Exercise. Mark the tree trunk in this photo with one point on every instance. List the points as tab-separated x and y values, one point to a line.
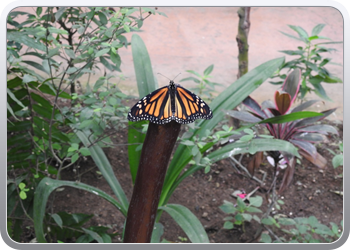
242	40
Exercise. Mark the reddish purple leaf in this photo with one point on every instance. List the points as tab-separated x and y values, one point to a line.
292	84
283	102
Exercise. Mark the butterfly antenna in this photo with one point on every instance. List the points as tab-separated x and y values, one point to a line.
164	76
177	76
167	77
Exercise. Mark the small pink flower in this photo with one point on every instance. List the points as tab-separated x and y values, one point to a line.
242	196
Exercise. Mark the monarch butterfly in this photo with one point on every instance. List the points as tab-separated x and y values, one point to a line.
169	103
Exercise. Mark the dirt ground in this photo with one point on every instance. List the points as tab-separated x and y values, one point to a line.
311	193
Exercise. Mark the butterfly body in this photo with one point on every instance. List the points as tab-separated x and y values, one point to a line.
170	103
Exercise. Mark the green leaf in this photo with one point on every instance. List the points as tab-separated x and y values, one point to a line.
103	18
208	70
247	217
268	221
228	207
135	138
313	222
102	52
75	157
70	53
188	222
317	29
94	235
337	161
146	81
157	232
253	210
105	167
301	32
228	225
59	13
265	238
13	97
252	147
246	138
255	201
28	78
85	151
286	221
37	66
241	205
291	117
26	40
13	83
126	28
57	220
43	191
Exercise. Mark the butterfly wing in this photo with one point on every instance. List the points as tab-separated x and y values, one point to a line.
189	107
169	103
155	107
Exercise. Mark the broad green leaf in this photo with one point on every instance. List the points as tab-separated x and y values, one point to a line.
37	66
253	210
240	203
247	217
57	219
188	222
59	13
28	78
15	82
228	207
135	138
26	40
291	36
102	52
13	97
208	70
255	201
268	221
253	146
157	233
337	161
105	167
146	81
313	222
301	32
94	235
43	191
291	117
286	221
317	29
70	53
265	238
103	18
228	225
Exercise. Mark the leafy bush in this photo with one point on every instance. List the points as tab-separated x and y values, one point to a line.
47	54
310	61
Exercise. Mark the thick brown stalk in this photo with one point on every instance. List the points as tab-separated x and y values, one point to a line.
155	155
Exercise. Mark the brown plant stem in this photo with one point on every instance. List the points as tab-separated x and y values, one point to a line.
242	40
155	155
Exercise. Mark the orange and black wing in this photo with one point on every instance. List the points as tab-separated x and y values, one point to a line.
169	103
155	107
189	107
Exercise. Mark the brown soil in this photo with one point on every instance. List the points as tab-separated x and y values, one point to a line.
309	194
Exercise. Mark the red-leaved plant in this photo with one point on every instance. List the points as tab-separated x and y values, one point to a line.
303	133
